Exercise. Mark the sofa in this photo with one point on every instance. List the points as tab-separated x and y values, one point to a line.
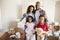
6	35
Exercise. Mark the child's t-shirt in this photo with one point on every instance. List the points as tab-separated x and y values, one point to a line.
43	26
30	27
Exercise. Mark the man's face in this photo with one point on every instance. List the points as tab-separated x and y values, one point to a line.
38	5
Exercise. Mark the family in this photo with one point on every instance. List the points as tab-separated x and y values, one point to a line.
36	23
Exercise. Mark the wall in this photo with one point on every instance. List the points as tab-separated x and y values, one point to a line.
50	9
57	11
9	13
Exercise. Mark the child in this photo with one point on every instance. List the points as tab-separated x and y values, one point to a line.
56	31
29	27
39	11
44	26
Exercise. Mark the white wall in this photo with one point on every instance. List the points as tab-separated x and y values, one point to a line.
8	13
50	9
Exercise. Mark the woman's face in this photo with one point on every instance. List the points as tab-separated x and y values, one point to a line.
41	19
31	9
30	19
38	5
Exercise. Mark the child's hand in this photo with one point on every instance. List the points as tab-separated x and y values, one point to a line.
33	31
44	33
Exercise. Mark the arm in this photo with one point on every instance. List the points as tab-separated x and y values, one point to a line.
23	17
25	27
34	31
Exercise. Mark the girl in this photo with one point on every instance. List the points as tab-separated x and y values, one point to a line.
30	12
29	28
42	25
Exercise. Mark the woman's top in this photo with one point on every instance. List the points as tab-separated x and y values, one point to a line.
28	14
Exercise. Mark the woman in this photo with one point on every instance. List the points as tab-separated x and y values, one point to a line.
39	11
30	12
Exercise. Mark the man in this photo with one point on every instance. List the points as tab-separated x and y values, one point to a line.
39	11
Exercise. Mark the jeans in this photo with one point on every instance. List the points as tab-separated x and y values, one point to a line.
45	38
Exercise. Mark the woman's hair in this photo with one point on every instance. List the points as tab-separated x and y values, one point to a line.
28	9
37	3
27	19
44	18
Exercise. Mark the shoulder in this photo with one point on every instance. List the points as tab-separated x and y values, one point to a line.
41	9
26	23
33	13
37	24
24	14
46	24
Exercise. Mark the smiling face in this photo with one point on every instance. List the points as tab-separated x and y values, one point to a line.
41	19
31	9
30	19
